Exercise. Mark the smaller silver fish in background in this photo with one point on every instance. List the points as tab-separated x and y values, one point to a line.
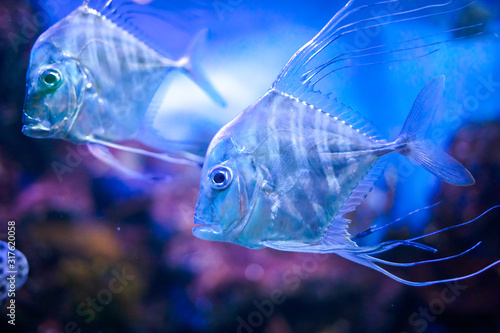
286	171
21	269
94	78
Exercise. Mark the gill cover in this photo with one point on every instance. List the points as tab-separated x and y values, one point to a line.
229	191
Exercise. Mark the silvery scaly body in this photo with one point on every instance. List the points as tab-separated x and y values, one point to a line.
93	78
284	173
12	264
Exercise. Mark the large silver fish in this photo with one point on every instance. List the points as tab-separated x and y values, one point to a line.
93	77
285	172
14	270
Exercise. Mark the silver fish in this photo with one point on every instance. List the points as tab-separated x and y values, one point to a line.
285	172
93	78
12	263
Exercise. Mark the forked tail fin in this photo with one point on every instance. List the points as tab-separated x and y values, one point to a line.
195	73
413	143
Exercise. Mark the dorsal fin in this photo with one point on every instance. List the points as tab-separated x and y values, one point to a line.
357	17
177	22
336	109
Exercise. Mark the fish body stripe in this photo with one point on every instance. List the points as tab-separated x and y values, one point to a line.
310	184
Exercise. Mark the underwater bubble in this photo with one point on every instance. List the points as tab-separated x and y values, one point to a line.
254	272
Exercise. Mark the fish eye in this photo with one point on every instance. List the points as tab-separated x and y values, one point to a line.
51	78
221	177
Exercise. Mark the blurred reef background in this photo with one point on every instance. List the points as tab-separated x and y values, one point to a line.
82	230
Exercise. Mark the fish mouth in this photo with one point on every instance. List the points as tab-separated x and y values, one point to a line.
202	226
35	127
